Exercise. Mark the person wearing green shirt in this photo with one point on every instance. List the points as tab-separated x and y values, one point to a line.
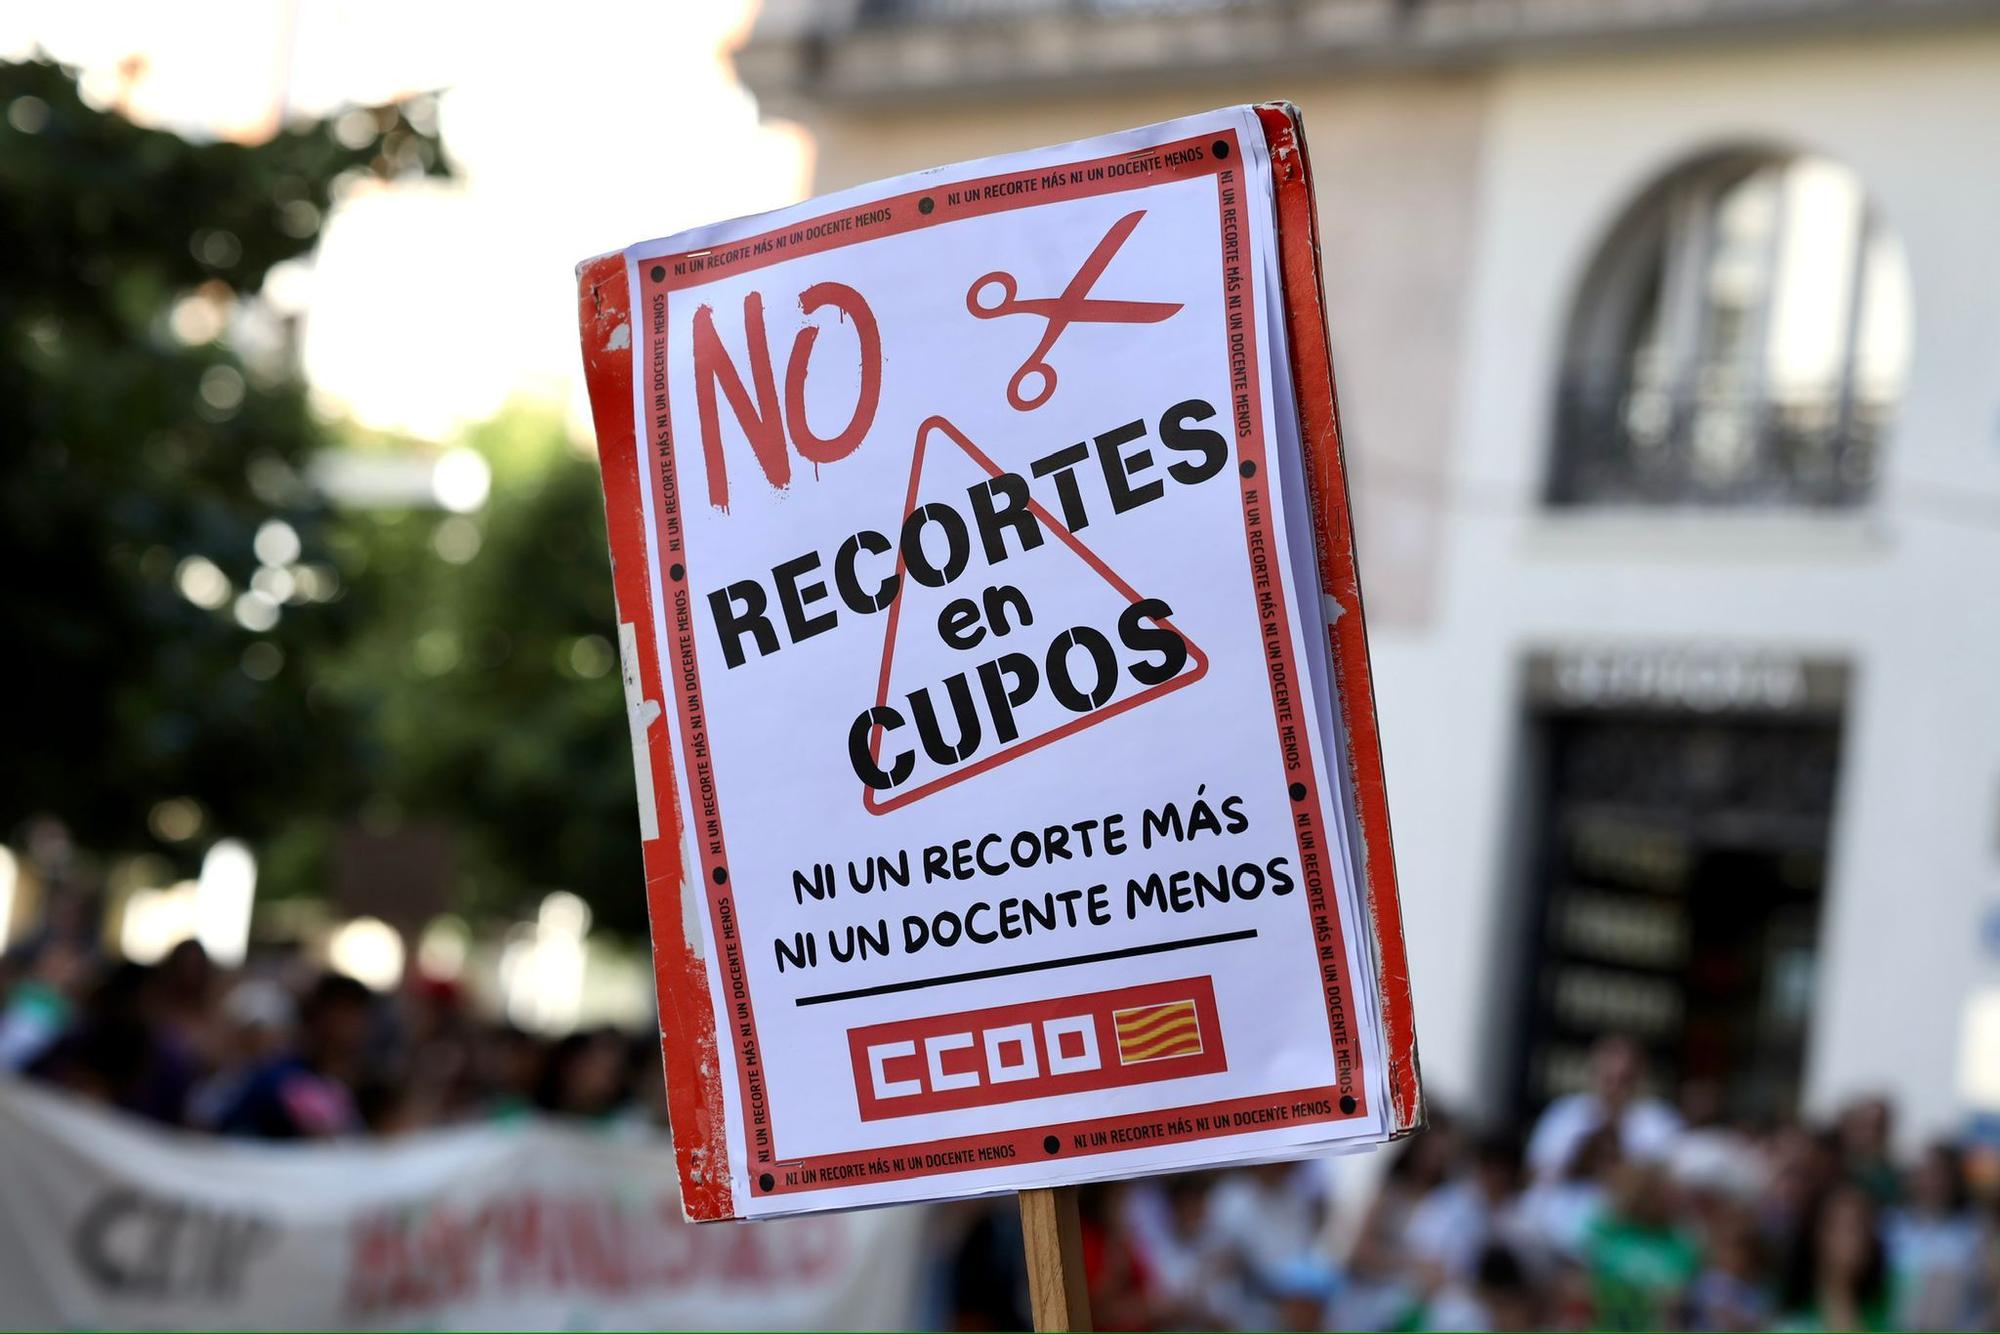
1639	1262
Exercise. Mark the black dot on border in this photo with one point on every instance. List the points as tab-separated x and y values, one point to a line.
1347	1104
659	273
1298	792
1051	1144
676	572
1249	468
926	204
1221	147
766	1181
721	875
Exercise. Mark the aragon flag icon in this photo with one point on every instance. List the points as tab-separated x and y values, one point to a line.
1045	639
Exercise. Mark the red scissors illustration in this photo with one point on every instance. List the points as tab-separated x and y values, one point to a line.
1074	306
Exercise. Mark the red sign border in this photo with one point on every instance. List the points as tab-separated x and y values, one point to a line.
689	1039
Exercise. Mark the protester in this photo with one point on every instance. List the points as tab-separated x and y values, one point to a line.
1495	1295
1114	1273
1640	1257
41	1003
1934	1243
253	1026
1839	1277
118	1052
984	1281
584	1076
309	1092
1719	1226
1732	1290
1451	1227
1646	1126
1168	1221
1556	1214
1266	1228
1625	1214
1865	1129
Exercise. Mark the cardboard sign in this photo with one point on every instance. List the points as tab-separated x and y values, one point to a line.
1007	764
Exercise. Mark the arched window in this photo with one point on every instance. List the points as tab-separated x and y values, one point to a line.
1740	340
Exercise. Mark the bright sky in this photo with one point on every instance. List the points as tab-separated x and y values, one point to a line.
577	128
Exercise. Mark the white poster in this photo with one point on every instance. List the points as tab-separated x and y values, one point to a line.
1006	812
108	1223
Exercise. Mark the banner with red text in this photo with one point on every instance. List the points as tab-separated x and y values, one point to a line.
109	1223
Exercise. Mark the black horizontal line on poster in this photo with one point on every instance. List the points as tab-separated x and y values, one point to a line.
977	975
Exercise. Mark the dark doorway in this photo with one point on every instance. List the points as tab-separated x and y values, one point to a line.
1676	888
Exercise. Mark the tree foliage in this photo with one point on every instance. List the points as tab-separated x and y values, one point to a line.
489	677
140	453
422	668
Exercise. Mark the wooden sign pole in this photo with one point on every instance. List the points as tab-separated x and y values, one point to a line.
1053	1238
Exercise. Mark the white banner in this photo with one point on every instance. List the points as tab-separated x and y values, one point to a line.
106	1222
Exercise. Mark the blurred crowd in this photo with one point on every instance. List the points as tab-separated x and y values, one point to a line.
283	1050
1617	1210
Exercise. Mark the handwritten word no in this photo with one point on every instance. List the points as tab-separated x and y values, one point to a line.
756	406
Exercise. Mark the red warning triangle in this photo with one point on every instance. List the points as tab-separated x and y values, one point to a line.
880	803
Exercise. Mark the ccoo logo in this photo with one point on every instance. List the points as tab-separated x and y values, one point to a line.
1039	1049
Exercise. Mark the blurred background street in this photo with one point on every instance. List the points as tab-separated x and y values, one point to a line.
1668	335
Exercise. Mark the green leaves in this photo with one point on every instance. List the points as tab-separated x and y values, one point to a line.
488	667
129	448
178	678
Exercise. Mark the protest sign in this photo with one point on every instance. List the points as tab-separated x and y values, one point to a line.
108	1222
1009	789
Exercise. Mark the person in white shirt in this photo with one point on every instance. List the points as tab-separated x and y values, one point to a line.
1647	1127
1265	1226
1934	1242
1452	1224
